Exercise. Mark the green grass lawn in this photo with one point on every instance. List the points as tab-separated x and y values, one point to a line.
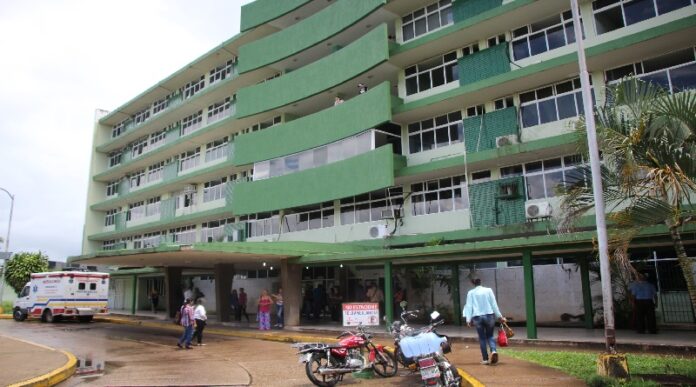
583	365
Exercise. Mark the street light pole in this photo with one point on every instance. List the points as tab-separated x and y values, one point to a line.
604	269
7	245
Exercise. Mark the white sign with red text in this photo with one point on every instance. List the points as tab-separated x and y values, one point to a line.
356	313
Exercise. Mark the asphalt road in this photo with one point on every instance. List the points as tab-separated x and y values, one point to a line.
118	355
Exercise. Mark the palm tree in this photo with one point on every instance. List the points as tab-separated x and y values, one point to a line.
648	141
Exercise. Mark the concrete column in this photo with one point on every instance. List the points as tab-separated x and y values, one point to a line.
456	301
586	293
172	281
291	280
388	293
529	301
134	304
224	275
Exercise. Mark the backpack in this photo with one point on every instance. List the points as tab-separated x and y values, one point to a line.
177	317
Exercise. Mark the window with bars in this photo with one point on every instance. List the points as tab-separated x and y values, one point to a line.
191	123
611	15
139	146
217	149
115	158
189	159
160	105
214	189
221	72
433	73
309	218
435	132
551	103
426	19
192	88
118	129
369	207
137	179
110	218
441	195
112	188
219	110
141	116
542	36
674	72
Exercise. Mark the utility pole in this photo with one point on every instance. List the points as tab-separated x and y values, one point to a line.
7	247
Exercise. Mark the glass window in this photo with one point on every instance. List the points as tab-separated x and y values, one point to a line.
432	73
552	103
612	15
543	178
675	71
443	195
542	36
372	206
426	19
435	132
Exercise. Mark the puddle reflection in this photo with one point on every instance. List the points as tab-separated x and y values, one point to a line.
90	367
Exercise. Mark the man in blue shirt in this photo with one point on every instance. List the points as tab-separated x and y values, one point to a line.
481	310
643	297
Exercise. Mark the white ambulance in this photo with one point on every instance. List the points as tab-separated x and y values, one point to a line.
54	295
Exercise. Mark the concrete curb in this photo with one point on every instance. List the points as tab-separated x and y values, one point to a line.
5	317
467	380
54	377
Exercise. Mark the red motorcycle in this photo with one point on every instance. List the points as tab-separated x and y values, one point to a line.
326	364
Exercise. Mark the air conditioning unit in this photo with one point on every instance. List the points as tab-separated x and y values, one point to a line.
505	140
379	231
537	210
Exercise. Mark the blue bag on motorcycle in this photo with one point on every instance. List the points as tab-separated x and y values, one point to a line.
421	344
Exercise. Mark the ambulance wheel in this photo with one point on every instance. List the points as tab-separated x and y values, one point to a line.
47	316
18	315
84	319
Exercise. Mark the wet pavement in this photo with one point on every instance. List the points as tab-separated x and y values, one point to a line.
19	356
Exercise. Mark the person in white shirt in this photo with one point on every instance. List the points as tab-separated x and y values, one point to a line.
481	310
201	319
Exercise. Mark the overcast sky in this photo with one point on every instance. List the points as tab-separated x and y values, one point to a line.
62	59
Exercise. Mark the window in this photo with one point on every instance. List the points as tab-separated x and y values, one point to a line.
219	110
157	139
546	35
141	116
137	179
262	125
480	176
214	230
473	111
155	172
496	40
511	171
185	198
426	19
115	158
442	195
185	235
221	72
25	292
611	15
242	176
543	177
503	103
118	129
152	207
551	103
435	132
136	211
139	146
110	218
93	286
433	73
370	206
190	159
151	239
160	105
111	188
81	286
675	72
272	77
191	123
216	150
214	189
109	245
193	87
267	223
470	49
309	218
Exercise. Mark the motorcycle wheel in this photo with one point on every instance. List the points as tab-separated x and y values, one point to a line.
451	378
312	367
385	364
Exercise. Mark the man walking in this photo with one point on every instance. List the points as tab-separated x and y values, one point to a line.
643	297
188	322
481	310
243	305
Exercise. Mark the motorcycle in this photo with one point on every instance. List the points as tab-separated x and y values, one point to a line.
424	351
327	364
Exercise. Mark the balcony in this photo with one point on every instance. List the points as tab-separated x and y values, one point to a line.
262	11
482	132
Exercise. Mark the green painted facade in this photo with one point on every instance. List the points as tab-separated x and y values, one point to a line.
326	126
262	11
339	15
363	54
466	9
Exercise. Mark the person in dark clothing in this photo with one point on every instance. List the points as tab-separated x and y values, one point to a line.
243	305
234	305
643	298
318	297
307	301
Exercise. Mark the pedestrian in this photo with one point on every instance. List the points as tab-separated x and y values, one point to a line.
335	301
234	305
481	310
362	88
643	296
243	305
318	297
308	301
264	311
201	320
280	308
187	321
338	100
376	295
154	300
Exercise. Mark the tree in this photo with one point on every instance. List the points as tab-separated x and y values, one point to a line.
18	270
648	141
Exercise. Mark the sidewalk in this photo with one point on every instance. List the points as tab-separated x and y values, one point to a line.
28	364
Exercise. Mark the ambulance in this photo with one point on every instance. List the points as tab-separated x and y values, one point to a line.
59	294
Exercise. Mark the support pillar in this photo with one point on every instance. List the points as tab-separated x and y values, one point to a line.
224	275
172	281
134	299
530	303
586	293
456	301
388	293
291	281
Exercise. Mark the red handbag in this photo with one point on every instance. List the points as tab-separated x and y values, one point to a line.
502	338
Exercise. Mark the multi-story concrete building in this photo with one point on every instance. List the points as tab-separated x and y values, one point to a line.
343	142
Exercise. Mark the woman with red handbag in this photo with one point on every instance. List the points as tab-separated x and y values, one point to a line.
482	311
